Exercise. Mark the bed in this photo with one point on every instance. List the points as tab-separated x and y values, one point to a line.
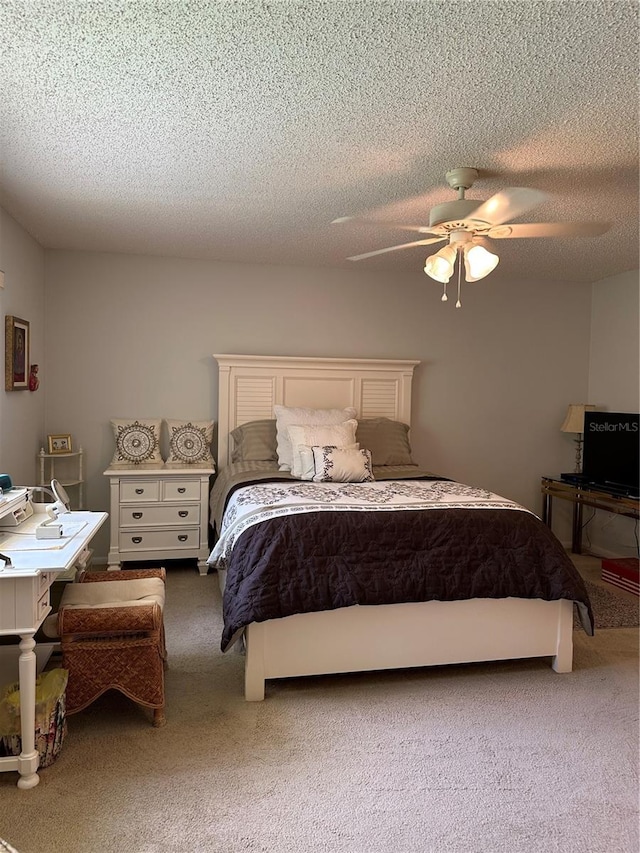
403	568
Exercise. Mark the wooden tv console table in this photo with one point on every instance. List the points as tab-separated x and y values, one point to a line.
582	495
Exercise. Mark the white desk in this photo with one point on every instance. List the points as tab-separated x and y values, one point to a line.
24	599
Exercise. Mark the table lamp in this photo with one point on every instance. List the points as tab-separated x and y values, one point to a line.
574	422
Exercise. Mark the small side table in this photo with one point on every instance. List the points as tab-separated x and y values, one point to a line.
67	476
581	495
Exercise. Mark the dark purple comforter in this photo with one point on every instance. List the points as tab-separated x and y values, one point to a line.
323	561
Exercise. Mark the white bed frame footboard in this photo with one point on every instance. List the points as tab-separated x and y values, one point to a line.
391	636
395	636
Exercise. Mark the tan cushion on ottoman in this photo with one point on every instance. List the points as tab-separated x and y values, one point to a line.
129	593
114	594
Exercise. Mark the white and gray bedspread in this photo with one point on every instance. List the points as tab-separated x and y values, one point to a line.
242	473
259	502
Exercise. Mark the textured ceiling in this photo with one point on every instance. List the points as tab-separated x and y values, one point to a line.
238	131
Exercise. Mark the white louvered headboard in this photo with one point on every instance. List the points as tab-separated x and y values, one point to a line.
250	386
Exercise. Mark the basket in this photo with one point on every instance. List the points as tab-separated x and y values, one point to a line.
51	721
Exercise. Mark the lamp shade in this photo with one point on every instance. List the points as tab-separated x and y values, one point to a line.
574	421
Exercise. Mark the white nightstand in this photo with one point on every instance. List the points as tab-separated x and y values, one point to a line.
159	514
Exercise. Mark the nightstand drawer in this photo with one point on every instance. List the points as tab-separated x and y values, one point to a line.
139	490
159	515
180	490
159	540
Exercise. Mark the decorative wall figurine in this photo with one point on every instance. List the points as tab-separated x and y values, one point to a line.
34	382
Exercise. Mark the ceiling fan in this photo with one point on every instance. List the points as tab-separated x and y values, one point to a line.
468	225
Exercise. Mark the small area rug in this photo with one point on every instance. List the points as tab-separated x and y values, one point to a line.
612	610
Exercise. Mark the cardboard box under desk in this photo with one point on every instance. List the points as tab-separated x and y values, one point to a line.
623	572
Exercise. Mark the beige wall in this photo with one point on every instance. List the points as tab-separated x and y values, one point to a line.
614	385
21	412
132	336
614	357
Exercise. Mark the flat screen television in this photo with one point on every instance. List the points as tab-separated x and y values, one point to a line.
611	451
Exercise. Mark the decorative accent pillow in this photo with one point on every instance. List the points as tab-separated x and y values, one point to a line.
287	415
190	443
387	440
255	441
304	465
336	435
341	465
137	443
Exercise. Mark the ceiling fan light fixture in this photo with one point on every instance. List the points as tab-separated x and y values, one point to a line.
466	223
478	262
440	266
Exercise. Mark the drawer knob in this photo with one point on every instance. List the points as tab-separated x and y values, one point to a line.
136	540
183	513
137	514
181	490
139	491
182	538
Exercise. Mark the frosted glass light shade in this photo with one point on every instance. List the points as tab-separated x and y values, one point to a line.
440	266
479	262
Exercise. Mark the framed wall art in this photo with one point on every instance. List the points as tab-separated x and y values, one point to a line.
59	443
16	360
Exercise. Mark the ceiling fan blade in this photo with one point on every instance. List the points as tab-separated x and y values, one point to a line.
507	204
395	248
421	229
550	229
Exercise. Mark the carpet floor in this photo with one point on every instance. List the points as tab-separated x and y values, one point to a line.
503	757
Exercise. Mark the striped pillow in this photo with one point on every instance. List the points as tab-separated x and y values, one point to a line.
387	440
255	441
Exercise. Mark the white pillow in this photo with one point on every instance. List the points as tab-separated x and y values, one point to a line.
336	435
341	465
303	462
286	415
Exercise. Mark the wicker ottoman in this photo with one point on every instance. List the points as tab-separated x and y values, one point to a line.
111	633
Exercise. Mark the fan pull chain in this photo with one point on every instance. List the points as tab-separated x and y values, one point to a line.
458	303
444	296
